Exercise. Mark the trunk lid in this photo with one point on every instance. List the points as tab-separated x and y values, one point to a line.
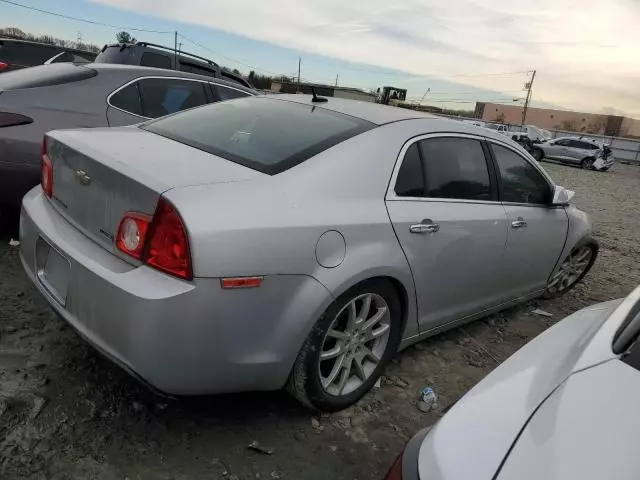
100	174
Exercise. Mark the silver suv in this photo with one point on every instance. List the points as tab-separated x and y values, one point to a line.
587	153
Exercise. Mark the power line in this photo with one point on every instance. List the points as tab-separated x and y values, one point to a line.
16	4
253	67
404	74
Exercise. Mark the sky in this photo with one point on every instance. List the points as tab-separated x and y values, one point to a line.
585	52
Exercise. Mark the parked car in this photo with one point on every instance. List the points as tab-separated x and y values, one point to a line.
36	100
563	406
587	153
16	54
290	240
147	54
498	127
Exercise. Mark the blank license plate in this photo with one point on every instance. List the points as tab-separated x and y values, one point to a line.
54	274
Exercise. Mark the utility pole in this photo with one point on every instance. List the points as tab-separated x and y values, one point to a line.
425	94
528	86
299	62
337	76
175	51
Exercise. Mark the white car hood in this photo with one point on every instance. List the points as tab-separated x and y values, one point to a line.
472	439
587	429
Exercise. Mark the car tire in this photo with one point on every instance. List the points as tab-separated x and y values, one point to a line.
538	154
310	379
587	163
593	247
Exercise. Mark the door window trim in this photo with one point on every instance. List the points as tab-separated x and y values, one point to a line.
391	191
531	162
162	77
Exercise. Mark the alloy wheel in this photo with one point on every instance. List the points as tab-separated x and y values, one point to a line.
587	164
354	344
571	269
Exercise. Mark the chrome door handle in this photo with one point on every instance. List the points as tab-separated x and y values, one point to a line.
424	228
519	223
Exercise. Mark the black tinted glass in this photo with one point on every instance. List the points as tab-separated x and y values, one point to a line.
162	96
265	134
563	143
226	93
200	70
45	76
155	60
128	99
410	181
521	181
456	168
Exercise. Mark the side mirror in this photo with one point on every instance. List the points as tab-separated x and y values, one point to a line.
562	196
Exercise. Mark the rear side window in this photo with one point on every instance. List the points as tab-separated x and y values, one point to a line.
193	68
521	181
162	96
261	133
45	76
226	93
128	99
456	168
410	181
155	60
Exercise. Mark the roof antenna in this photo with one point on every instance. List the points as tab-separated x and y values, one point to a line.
317	99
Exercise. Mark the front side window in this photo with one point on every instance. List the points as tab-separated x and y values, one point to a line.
455	168
410	181
162	96
128	99
521	181
264	134
563	142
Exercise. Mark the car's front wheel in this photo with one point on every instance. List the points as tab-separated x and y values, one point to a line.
587	163
572	269
537	154
348	348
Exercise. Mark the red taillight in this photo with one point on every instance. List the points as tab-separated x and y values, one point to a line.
3	66
161	242
395	472
8	119
46	179
168	246
132	234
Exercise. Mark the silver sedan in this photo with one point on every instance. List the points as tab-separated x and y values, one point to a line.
290	241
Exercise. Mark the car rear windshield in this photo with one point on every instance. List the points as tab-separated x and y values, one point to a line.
45	76
261	133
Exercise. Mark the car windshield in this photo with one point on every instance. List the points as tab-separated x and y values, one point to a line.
261	133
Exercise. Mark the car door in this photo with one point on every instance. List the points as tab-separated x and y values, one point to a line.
537	231
556	149
153	97
443	204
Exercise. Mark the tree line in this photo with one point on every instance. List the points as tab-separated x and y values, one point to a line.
18	34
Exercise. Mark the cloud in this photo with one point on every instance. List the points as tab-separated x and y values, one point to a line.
584	51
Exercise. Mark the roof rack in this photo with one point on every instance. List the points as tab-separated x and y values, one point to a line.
179	52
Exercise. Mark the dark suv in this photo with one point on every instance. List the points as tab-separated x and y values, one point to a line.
152	55
15	54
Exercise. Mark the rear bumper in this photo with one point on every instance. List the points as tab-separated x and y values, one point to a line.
182	338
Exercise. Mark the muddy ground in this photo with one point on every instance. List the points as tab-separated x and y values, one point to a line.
65	412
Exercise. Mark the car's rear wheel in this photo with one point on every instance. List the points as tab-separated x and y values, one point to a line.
587	163
572	269
348	347
537	154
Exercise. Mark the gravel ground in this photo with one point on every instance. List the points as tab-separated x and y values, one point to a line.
65	412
